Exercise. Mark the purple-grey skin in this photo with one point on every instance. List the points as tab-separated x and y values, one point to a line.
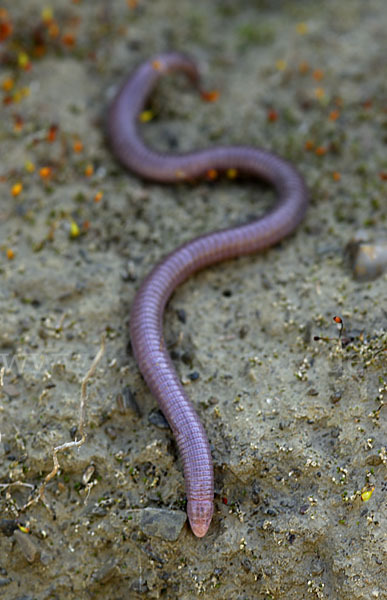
148	307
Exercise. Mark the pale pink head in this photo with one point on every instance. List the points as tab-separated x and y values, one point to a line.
200	515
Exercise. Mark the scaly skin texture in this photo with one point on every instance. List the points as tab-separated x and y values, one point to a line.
148	306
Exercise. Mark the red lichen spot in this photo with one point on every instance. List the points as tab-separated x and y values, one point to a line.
321	150
318	75
336	176
383	175
45	172
309	145
272	116
334	115
210	96
16	189
68	39
77	146
6	26
224	500
212	174
39	50
89	170
7	100
367	104
10	253
51	134
18	123
98	197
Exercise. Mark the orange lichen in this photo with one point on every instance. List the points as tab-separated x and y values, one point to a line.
89	170
17	188
336	176
321	150
210	96
68	39
334	115
303	67
10	253
98	197
318	75
309	145
8	84
78	146
45	172
212	174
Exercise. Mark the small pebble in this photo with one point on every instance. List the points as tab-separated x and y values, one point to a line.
368	259
127	404
157	419
160	522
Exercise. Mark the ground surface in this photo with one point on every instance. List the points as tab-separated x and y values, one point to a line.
296	425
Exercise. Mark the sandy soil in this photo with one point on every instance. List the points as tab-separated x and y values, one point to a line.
296	425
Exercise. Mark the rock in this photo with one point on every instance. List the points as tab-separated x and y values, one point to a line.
159	522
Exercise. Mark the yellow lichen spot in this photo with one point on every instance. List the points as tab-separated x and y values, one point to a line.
366	495
29	166
16	189
146	115
281	65
74	230
319	93
7	84
157	65
23	60
10	253
302	28
47	14
231	173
